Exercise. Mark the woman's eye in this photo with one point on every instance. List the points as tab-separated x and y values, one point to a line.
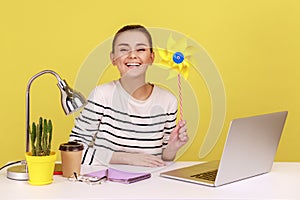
141	49
123	50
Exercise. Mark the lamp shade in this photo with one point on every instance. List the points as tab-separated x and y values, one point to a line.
71	100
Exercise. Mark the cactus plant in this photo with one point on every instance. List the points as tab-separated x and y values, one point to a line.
41	137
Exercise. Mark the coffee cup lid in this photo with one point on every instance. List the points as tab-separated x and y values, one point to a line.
71	146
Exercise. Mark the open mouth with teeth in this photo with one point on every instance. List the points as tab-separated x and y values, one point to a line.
132	65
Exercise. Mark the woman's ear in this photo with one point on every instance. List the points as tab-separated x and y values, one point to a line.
152	57
112	58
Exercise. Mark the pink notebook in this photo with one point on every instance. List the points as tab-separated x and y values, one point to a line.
119	176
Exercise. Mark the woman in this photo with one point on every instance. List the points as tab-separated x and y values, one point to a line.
129	121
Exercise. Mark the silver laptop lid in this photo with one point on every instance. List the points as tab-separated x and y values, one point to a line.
250	147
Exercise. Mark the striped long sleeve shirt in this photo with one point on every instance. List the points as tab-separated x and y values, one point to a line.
114	121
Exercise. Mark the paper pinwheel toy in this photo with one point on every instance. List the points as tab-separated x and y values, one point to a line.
176	57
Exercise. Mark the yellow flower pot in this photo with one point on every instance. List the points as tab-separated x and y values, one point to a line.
40	168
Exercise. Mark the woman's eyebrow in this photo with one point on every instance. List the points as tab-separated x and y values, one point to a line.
142	44
123	44
138	45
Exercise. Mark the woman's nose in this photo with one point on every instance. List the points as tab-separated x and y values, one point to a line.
132	54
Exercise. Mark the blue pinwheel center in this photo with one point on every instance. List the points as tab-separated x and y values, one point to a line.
178	57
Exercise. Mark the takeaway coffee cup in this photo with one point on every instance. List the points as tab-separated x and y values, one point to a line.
71	153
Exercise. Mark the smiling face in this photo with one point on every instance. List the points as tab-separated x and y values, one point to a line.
132	52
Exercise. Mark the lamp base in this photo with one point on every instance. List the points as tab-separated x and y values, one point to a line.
18	173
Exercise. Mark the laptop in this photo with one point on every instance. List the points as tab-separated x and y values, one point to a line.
249	151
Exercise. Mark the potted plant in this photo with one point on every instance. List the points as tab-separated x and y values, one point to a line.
41	160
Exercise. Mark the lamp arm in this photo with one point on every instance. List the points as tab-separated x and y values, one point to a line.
39	74
28	101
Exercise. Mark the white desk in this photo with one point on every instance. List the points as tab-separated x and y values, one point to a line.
283	182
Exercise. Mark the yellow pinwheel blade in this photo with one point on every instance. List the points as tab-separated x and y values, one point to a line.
172	74
180	45
185	71
164	54
189	51
170	43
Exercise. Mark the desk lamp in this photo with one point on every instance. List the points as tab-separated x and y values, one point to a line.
71	101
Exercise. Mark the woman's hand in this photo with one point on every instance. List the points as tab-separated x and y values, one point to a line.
179	136
177	139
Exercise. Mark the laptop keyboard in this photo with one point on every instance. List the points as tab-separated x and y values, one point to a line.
210	175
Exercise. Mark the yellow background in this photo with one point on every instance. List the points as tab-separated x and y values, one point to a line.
255	45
